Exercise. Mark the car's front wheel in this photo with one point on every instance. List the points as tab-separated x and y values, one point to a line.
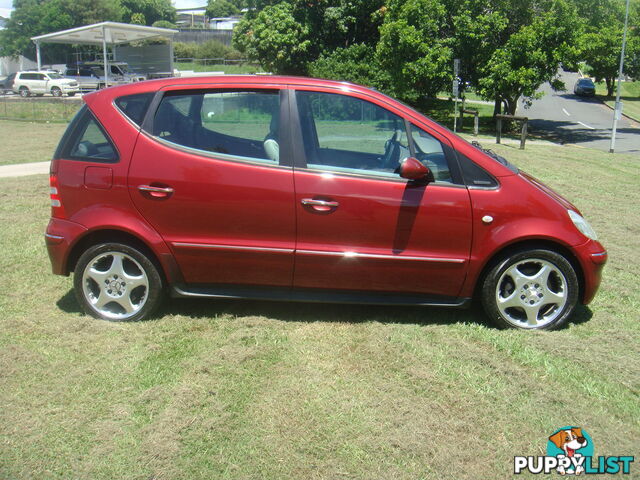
56	92
532	289
116	282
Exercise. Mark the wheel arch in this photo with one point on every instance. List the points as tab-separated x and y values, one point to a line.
95	237
530	244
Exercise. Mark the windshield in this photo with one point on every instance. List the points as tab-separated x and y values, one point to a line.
122	69
585	82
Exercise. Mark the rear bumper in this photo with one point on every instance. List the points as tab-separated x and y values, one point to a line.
59	238
592	257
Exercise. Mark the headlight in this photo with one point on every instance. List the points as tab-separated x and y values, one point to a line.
582	225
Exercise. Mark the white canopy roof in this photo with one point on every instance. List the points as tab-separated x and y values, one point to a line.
104	32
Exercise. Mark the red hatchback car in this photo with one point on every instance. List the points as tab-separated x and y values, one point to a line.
302	189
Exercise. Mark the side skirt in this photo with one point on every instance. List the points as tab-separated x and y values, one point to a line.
318	296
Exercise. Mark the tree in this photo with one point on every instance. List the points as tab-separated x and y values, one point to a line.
530	56
356	63
36	17
221	8
152	10
138	19
304	30
415	47
602	52
276	39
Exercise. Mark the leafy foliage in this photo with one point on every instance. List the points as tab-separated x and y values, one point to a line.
221	8
356	63
276	39
36	17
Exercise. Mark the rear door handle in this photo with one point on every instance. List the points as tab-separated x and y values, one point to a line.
157	192
320	205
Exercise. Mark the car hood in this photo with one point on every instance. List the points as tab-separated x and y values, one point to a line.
549	191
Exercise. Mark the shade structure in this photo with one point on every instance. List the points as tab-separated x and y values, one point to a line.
103	33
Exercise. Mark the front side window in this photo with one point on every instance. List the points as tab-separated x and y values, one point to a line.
347	134
430	152
244	124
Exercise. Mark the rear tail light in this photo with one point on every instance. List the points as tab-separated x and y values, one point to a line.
57	210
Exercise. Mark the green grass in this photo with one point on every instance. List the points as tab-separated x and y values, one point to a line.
24	142
629	95
248	389
49	110
227	69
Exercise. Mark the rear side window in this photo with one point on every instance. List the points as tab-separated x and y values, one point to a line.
85	139
135	106
242	124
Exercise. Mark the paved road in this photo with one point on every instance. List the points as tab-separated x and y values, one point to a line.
567	118
23	169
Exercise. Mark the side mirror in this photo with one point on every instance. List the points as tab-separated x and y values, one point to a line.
413	169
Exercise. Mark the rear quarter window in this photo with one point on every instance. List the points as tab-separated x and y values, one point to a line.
86	140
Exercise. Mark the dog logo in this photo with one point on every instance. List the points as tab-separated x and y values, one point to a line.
570	442
570	452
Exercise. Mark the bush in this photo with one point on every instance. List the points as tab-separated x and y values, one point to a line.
356	64
163	24
212	49
185	49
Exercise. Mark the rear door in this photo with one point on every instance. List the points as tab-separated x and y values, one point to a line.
360	226
201	175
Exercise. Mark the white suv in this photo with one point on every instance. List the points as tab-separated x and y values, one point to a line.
39	83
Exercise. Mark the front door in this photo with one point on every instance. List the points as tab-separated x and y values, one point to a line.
360	226
207	178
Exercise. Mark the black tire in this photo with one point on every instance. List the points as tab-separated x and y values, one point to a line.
56	92
516	293
24	92
72	94
119	286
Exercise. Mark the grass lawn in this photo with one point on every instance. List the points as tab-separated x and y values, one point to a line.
228	69
24	142
49	110
248	389
629	95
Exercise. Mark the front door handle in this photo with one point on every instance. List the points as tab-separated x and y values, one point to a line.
320	205
156	192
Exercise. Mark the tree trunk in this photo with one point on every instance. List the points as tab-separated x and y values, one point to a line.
497	106
611	83
511	105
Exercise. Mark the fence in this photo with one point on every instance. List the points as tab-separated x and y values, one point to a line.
523	132
215	61
53	110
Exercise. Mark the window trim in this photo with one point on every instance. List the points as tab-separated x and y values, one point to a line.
286	157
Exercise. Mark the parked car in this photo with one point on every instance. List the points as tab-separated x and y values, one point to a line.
6	85
41	82
584	87
186	186
120	72
87	79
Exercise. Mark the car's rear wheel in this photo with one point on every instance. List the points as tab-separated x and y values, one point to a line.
56	92
116	282
24	92
533	290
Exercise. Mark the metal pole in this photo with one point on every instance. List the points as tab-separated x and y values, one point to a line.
171	54
617	111
455	114
105	62
38	55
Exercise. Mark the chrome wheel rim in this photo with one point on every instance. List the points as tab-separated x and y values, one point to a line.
531	293
115	285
